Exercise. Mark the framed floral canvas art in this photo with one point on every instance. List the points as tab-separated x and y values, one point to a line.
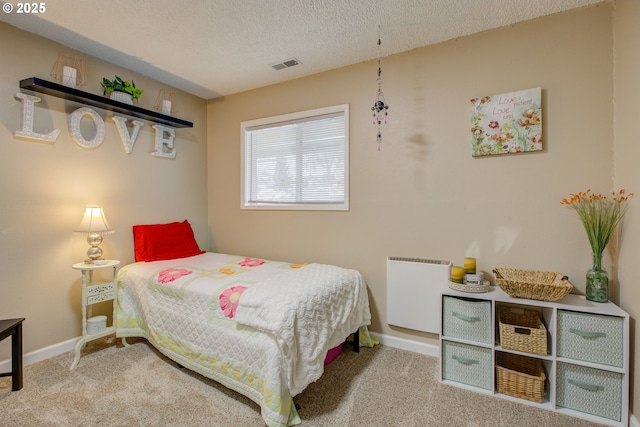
507	123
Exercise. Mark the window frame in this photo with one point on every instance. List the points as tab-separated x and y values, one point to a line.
275	120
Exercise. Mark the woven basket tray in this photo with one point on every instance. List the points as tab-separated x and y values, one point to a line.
522	330
520	376
531	284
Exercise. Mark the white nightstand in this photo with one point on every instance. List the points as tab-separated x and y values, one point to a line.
92	293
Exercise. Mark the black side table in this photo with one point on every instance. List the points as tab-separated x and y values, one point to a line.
13	327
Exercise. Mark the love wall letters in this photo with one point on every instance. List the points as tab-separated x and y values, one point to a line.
164	135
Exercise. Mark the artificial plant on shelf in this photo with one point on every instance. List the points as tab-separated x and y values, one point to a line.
119	85
600	216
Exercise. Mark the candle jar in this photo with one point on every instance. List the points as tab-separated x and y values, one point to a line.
457	274
470	265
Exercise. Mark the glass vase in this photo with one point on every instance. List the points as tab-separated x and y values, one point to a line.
597	281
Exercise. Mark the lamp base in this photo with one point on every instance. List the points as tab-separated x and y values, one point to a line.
100	261
94	253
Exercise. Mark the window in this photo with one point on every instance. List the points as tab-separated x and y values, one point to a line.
297	161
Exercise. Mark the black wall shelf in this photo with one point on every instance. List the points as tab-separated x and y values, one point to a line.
71	94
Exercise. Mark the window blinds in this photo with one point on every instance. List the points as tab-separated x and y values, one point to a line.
299	161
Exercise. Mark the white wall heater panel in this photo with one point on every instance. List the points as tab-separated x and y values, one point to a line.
414	289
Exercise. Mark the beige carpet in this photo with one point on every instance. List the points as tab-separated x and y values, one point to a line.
137	386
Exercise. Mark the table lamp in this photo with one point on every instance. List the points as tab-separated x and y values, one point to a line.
94	225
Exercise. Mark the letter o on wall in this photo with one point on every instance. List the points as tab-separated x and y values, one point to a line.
76	134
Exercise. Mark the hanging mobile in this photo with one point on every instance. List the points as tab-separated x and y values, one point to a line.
380	107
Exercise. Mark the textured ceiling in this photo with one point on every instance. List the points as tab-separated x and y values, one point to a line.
213	48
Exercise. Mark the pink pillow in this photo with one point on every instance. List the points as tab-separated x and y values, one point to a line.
157	242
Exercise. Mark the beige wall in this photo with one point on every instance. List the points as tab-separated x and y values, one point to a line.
423	195
45	187
626	155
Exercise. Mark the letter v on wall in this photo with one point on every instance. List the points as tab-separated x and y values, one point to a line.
128	139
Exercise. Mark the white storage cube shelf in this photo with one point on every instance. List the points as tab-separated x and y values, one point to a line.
587	365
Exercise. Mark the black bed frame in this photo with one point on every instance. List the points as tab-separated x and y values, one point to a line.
356	341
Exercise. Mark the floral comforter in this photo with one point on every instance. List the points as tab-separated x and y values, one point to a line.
259	327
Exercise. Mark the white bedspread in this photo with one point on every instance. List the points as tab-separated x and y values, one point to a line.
308	311
268	342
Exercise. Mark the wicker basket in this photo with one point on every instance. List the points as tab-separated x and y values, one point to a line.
520	376
531	284
521	329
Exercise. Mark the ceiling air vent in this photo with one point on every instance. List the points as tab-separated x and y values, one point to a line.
286	64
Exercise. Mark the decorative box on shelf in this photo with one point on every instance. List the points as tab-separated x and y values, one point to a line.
467	319
521	329
520	376
96	324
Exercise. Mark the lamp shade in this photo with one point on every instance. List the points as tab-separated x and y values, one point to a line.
94	221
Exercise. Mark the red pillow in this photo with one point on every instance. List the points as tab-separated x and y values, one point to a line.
157	242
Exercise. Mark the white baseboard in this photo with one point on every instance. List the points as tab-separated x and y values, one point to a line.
42	354
63	347
401	343
409	345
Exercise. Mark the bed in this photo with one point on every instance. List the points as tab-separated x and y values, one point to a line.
260	327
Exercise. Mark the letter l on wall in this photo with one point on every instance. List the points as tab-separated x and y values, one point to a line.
27	132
